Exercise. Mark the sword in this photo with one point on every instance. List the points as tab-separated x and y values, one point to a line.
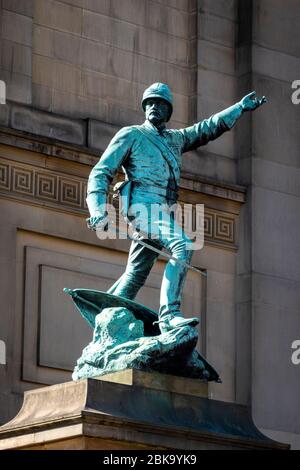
152	248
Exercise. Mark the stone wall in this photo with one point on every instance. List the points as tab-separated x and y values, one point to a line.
94	58
275	219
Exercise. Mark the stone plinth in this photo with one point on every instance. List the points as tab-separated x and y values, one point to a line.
157	381
131	410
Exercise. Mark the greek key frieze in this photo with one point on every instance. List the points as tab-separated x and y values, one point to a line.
4	176
19	180
42	186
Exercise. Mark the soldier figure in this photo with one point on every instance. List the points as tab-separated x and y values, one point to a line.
150	155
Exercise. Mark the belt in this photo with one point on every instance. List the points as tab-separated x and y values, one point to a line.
168	192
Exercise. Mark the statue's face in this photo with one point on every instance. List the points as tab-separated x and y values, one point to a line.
157	111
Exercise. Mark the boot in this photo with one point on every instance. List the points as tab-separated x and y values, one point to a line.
175	320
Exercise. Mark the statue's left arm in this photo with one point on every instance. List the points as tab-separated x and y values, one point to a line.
209	129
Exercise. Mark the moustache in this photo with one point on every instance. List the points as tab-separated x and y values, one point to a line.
154	111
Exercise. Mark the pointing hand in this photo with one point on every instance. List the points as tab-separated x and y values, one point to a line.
250	102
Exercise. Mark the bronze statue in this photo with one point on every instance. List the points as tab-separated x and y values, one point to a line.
150	155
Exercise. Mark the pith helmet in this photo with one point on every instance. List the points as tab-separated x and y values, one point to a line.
158	90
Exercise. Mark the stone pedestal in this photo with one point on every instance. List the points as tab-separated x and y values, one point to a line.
131	410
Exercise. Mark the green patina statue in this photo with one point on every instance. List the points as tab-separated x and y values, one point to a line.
127	334
150	155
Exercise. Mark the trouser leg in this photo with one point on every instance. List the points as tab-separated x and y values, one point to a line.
139	264
164	230
177	243
165	233
174	277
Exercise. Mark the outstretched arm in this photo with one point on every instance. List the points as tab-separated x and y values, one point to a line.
209	129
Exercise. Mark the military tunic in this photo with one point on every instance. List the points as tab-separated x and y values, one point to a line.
143	162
